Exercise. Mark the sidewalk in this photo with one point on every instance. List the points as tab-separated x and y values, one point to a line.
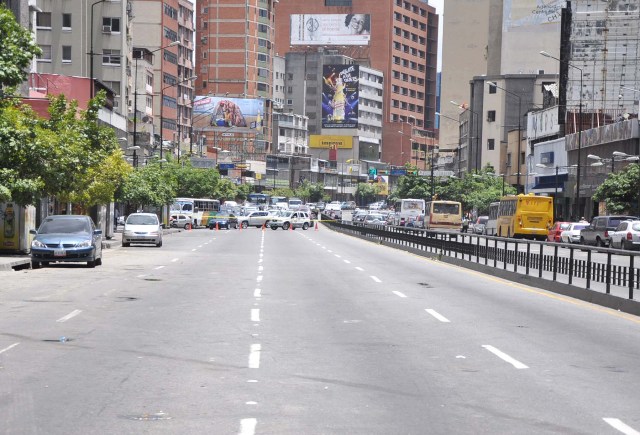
17	261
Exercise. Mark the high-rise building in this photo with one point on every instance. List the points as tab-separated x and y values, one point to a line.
396	37
234	52
163	34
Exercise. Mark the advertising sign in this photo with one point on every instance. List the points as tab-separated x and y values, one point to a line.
330	29
330	142
240	115
340	96
15	222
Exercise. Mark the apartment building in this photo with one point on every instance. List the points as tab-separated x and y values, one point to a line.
399	38
88	40
163	37
234	53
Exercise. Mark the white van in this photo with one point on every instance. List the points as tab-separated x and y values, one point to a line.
294	203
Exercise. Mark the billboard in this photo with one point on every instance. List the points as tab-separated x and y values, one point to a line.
340	96
522	14
330	142
241	115
330	29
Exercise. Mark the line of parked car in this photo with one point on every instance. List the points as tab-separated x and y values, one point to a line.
620	232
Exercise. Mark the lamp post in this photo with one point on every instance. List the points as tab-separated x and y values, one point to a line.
578	210
518	190
91	53
433	187
476	128
162	107
135	93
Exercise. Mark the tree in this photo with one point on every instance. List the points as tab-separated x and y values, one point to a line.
367	192
151	185
197	182
226	190
621	191
16	51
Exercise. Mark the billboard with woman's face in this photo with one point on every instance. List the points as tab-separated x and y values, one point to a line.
330	29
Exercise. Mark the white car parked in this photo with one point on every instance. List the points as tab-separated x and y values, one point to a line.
142	228
291	219
626	236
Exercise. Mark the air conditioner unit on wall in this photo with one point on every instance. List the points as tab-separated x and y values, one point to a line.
106	29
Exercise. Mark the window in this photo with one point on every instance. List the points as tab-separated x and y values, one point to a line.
169	79
110	25
170	11
262	87
66	54
263	13
169	57
66	21
262	72
491	115
43	20
169	102
46	53
263	57
170	34
491	143
204	84
149	101
110	57
337	2
263	28
547	158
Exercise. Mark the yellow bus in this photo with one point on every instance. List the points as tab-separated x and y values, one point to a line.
443	215
525	216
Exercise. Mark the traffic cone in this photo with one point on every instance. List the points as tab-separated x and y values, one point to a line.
264	226
316	225
189	229
217	226
291	226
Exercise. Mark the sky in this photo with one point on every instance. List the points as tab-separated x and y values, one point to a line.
439	5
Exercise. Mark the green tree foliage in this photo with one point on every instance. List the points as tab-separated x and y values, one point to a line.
620	191
367	192
243	191
309	192
197	182
226	190
70	155
412	186
475	191
153	184
17	50
283	191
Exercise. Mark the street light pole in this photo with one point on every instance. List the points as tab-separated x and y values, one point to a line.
518	190
91	53
544	53
433	188
162	107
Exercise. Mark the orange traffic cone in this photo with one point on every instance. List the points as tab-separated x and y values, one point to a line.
316	225
189	227
217	226
291	226
264	226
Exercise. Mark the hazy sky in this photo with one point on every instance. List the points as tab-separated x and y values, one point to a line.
439	5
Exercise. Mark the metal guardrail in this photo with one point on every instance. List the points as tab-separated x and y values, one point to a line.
517	255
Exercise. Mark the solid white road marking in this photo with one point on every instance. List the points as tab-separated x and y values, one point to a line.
257	292
616	423
8	348
402	295
248	426
517	364
159	267
375	278
255	314
72	314
174	260
360	269
254	356
437	315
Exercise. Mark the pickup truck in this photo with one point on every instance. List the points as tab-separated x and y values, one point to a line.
597	233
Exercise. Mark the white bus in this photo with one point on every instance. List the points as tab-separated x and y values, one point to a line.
195	207
491	226
410	211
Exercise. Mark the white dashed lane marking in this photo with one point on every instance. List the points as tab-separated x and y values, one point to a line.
69	316
254	356
619	425
375	278
514	362
399	294
9	347
437	315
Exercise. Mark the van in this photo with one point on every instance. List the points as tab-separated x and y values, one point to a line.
294	203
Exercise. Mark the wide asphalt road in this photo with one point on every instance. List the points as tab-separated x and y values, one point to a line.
304	332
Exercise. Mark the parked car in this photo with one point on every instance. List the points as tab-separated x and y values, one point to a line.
597	233
223	222
290	219
626	236
144	228
479	224
572	234
556	230
180	221
66	238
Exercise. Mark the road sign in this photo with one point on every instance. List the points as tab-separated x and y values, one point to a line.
227	165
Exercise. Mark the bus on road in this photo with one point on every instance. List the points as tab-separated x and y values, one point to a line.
409	211
443	215
525	216
492	223
195	207
260	199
